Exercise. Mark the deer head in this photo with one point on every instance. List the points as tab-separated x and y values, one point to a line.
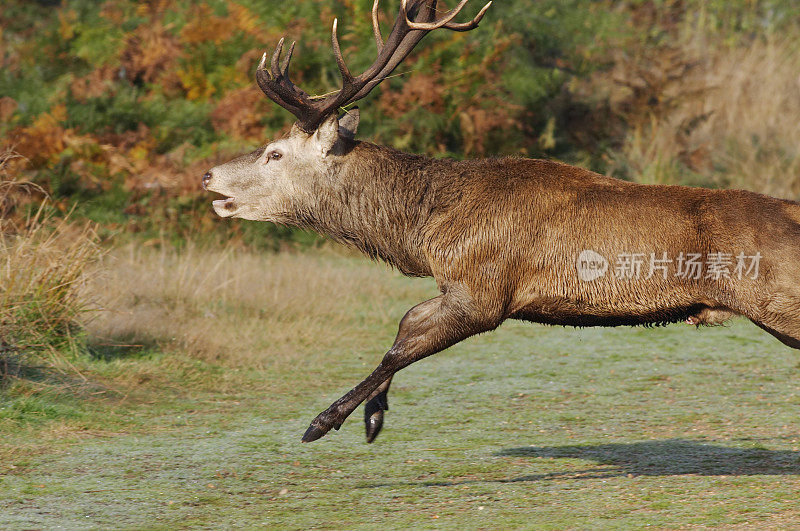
271	182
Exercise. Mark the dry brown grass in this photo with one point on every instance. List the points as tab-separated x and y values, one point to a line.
244	308
732	119
43	264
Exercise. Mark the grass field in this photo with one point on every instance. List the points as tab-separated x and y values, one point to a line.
530	426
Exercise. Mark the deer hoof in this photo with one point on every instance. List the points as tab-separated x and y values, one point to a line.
373	424
373	416
315	431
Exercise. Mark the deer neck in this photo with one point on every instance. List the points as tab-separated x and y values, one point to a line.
379	201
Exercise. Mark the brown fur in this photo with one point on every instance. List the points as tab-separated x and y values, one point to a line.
510	231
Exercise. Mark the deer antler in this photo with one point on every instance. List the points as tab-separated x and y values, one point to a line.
404	36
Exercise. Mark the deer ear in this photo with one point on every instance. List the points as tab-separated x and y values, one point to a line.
348	123
327	134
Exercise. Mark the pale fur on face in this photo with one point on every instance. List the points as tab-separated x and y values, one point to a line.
267	184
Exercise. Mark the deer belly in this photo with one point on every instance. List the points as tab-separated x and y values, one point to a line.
566	312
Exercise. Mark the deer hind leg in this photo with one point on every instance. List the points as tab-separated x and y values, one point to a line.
426	329
781	318
786	331
377	403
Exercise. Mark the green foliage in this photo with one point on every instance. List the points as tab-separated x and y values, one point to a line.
116	112
175	122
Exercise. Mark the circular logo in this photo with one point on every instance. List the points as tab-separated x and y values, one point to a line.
591	265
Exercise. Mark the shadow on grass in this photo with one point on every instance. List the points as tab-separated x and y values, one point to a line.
116	350
15	366
670	458
649	458
58	372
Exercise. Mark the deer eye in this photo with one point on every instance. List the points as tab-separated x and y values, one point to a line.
274	155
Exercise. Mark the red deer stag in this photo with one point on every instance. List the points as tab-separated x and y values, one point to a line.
507	238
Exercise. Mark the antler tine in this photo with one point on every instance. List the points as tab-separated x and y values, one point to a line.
276	85
287	60
347	77
441	23
274	70
376	28
472	24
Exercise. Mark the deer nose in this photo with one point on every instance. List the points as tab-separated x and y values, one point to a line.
206	180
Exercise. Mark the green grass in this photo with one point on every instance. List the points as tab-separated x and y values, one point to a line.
529	426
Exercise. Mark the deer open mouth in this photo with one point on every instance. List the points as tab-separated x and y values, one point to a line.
225	207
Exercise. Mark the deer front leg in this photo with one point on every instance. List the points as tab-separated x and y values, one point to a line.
377	403
426	329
